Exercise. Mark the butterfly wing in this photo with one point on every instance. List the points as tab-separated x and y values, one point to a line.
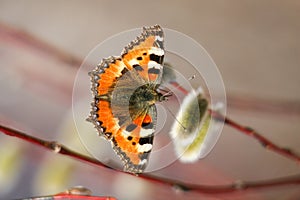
133	143
114	81
146	54
103	81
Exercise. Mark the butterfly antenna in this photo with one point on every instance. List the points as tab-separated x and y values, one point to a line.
176	119
178	86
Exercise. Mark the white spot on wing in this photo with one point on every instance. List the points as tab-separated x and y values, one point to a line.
156	51
122	66
125	133
143	162
159	38
133	62
144	147
153	64
146	132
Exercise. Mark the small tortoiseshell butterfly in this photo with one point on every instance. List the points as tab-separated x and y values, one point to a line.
125	90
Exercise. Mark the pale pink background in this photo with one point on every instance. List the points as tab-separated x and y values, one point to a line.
255	44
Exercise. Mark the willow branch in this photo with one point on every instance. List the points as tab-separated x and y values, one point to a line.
236	186
257	136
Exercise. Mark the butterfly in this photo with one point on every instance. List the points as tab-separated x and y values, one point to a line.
125	89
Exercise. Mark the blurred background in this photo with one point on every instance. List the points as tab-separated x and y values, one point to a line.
255	45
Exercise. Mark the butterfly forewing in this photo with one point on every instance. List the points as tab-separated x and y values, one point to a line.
146	54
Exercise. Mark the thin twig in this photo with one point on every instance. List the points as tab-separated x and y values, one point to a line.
50	145
254	134
247	103
237	186
69	197
74	193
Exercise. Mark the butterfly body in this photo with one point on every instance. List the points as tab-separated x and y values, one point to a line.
144	96
125	90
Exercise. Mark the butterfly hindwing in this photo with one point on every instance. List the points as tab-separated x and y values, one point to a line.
134	142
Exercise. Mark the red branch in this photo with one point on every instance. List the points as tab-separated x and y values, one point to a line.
70	197
261	139
236	186
74	193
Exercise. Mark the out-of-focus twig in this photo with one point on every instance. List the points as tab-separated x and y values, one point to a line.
248	103
236	186
74	193
266	143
